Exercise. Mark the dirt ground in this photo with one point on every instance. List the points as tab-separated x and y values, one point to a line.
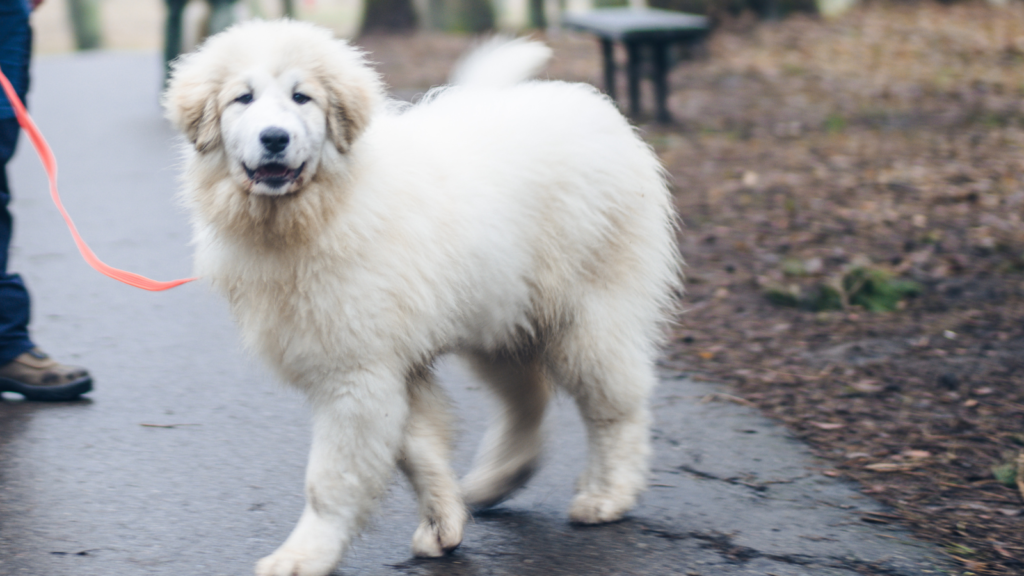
810	159
889	141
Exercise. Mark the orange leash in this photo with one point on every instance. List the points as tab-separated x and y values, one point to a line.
50	165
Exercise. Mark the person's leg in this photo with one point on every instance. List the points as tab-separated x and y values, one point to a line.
14	299
23	368
15	51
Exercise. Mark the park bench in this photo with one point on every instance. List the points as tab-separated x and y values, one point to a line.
649	36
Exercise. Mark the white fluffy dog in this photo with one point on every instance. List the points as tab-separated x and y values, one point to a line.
522	225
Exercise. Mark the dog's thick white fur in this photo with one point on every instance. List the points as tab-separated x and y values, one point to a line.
522	225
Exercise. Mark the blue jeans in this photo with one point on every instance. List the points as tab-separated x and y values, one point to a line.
15	51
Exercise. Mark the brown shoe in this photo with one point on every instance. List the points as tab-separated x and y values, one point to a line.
36	376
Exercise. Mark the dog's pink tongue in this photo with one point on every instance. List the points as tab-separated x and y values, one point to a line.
272	171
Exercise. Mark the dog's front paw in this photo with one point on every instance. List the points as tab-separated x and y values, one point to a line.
292	562
600	508
436	537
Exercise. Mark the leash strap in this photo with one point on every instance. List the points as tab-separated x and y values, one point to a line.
50	165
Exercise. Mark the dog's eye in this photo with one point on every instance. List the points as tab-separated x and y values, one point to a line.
300	98
244	98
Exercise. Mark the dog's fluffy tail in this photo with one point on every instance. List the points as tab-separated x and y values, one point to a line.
501	62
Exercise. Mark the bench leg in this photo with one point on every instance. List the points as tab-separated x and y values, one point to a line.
633	50
660	56
608	51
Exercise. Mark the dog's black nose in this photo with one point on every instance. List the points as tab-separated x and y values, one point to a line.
274	139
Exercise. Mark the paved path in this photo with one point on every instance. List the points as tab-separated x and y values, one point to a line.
88	488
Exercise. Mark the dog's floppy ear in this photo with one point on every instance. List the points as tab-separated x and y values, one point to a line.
348	114
354	92
191	102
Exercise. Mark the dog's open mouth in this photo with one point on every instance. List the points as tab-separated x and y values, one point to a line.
273	174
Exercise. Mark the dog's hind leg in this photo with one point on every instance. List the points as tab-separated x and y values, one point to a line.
425	460
511	447
358	425
607	366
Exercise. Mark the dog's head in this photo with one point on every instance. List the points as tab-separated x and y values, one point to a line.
268	98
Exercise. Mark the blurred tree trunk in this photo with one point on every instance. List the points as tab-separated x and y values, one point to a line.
222	16
538	19
85	22
461	15
389	16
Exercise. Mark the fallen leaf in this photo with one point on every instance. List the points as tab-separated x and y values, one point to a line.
867	386
879	517
972	565
874	520
1020	473
726	397
828	425
1006	474
888	467
1000	550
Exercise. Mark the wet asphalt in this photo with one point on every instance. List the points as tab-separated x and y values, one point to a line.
187	459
